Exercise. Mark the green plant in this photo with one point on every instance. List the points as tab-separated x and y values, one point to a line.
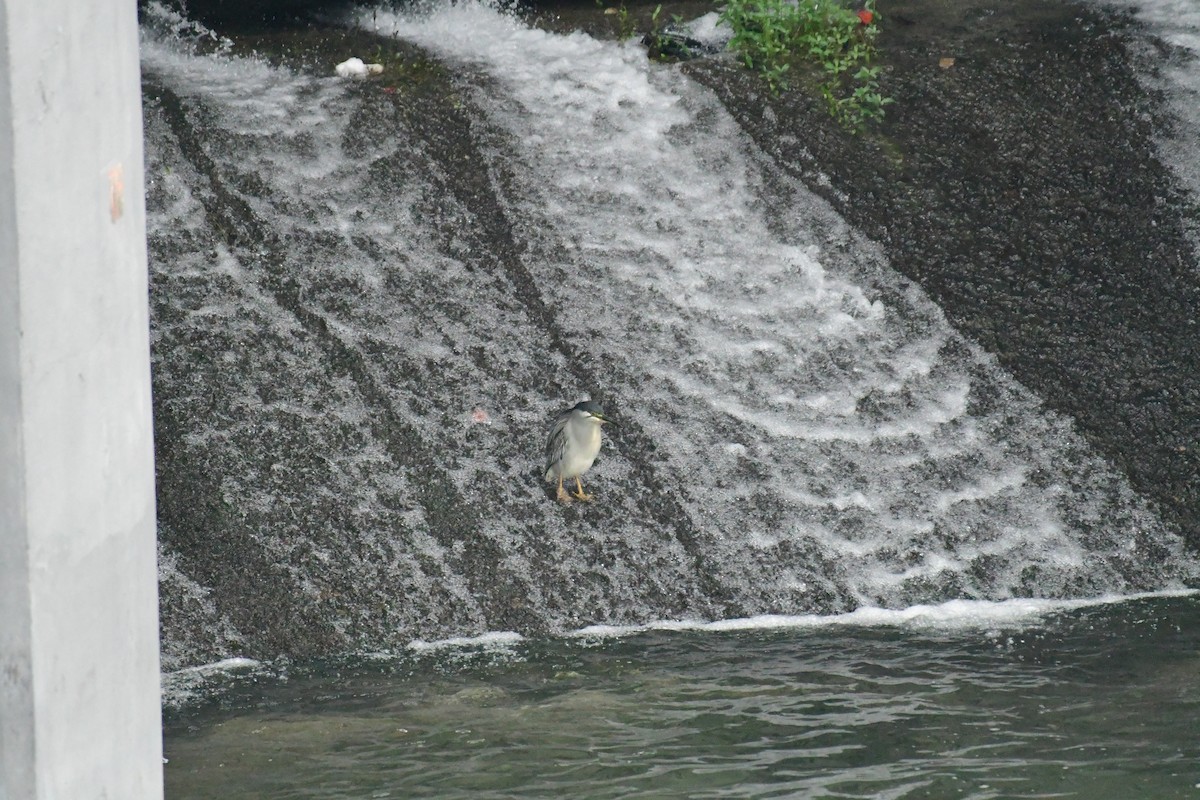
776	37
656	27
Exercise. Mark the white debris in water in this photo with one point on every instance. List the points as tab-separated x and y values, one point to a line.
355	68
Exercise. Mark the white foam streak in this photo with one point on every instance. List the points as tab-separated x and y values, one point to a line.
233	664
182	686
497	640
951	616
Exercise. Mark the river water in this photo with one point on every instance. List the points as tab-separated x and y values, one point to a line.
973	700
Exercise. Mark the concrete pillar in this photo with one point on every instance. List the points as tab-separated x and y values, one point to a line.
79	670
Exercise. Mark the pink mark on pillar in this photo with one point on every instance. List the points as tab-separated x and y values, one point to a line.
116	192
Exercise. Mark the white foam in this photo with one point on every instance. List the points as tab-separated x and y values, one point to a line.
708	30
954	615
495	640
232	664
186	685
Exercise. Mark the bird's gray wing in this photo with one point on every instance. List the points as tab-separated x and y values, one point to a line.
556	444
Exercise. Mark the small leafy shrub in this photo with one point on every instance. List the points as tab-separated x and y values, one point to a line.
775	37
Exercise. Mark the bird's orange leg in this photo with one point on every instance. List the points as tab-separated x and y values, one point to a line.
581	494
563	497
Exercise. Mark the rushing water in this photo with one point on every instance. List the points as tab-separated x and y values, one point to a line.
965	700
368	303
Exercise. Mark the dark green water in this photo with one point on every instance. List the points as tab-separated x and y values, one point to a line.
978	701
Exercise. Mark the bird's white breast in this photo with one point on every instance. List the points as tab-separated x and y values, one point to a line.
585	445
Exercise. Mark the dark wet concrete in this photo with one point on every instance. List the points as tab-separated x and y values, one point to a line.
1022	189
